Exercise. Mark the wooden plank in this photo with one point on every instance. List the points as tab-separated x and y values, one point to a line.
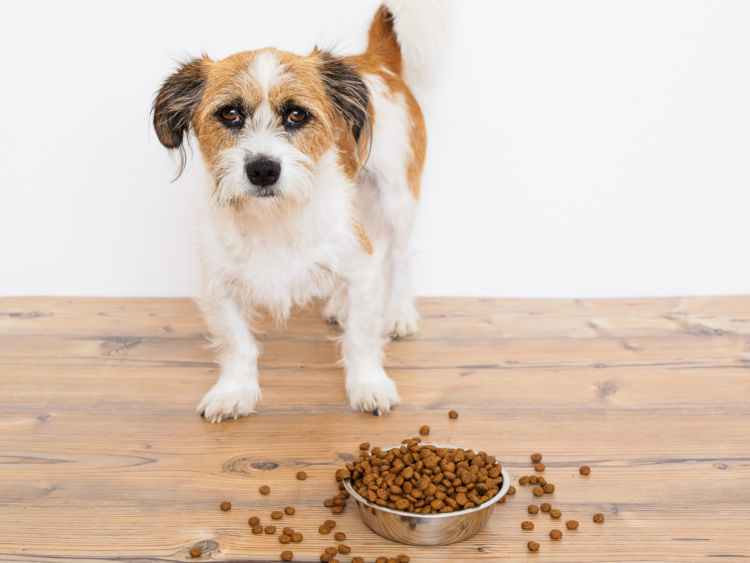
102	457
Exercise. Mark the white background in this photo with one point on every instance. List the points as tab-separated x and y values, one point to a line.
577	148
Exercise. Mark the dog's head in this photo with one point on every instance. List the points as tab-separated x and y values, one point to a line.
263	120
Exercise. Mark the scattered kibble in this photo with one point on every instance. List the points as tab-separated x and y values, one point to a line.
364	446
555	534
402	558
283	538
330	523
549	488
323	529
538	491
288	531
545	507
253	521
196	552
344	549
523	480
289	510
424	430
598	517
296	537
287	555
264	490
533	546
277	515
357	560
541	481
452	414
539	467
339	536
533	509
225	506
584	470
331	550
571	524
257	529
511	490
533	479
526	525
270	529
536	458
555	513
301	475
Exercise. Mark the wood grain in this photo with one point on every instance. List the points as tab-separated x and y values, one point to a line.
103	458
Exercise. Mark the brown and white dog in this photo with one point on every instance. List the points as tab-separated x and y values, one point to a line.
315	164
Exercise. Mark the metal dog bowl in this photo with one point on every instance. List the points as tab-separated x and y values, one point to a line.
426	529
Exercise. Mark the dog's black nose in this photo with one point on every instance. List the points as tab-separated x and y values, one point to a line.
263	171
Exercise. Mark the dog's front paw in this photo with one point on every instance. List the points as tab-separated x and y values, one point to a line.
229	399
401	321
372	392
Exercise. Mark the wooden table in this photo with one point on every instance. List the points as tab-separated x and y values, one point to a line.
102	456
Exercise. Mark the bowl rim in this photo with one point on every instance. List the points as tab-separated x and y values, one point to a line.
503	490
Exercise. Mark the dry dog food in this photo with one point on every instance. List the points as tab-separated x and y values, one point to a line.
283	538
264	490
511	490
287	555
270	529
402	558
196	552
225	506
452	414
424	430
357	560
330	523
555	534
555	513
549	488
533	509
526	525
536	458
539	467
344	549
545	507
523	480
538	491
339	536
533	546
584	470
277	515
571	524
598	517
364	446
288	531
323	529
296	537
533	479
301	475
424	478
289	510
253	521
257	529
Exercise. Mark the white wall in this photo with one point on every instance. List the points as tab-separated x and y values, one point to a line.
577	148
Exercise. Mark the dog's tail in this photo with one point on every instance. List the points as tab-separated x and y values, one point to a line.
406	35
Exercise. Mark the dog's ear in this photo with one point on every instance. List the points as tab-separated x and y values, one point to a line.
348	94
176	101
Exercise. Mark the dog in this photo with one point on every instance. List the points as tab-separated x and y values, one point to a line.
315	165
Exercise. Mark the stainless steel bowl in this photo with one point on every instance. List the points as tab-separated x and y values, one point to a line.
426	529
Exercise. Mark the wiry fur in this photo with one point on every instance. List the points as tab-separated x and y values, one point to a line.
336	222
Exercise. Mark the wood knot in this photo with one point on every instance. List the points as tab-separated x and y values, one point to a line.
606	388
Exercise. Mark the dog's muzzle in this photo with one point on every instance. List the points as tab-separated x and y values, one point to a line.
263	172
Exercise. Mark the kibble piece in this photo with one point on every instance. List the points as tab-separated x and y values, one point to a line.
264	490
196	552
536	458
289	510
283	538
533	509
402	558
584	470
225	506
257	529
270	529
523	480
364	446
330	523
277	515
325	557
344	549
526	525
328	503
545	507
301	475
424	430
331	550
539	467
381	560
538	491
571	524
323	529
357	560
555	534
598	517
502	500
452	414
253	521
549	488
297	537
339	536
555	513
287	555
337	509
533	546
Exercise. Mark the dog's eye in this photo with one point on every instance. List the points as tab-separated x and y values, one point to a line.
231	116
295	116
